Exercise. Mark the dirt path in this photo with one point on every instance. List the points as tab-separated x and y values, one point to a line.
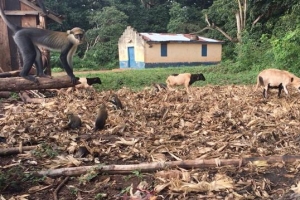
88	72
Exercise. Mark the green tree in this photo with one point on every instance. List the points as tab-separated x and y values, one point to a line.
268	12
178	18
145	16
285	40
286	50
184	19
157	18
102	39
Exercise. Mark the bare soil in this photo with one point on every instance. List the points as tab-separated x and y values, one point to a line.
213	122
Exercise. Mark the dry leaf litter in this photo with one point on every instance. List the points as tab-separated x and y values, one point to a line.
211	122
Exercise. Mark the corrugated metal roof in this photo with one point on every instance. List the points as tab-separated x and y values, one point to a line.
168	37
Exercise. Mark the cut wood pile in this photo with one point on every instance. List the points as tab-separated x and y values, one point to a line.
215	123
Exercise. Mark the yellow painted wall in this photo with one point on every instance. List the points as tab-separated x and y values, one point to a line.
177	52
131	38
183	52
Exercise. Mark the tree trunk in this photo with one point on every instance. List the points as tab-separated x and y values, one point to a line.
10	74
15	73
238	27
5	94
19	83
15	150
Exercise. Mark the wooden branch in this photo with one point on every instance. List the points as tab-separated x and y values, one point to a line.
15	150
55	193
19	83
206	28
21	12
240	15
27	99
225	34
5	94
245	13
15	73
213	27
150	167
238	25
257	19
50	15
10	74
206	19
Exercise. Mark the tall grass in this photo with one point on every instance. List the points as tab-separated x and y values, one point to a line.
138	79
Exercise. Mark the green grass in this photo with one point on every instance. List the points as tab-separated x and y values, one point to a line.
57	69
140	78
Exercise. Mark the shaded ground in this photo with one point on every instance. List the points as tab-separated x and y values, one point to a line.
213	122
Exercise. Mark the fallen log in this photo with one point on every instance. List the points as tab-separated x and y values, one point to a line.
19	83
10	74
15	150
150	167
5	94
15	73
55	195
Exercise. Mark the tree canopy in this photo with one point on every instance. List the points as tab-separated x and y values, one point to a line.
257	34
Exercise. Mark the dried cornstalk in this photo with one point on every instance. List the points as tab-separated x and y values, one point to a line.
15	150
148	167
27	99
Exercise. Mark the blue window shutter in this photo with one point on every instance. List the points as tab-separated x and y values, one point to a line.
204	50
163	49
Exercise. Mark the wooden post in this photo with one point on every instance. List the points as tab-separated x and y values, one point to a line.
5	64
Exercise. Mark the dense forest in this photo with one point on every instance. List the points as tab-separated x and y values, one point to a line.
257	34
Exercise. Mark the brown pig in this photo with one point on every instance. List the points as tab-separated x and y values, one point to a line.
185	79
275	78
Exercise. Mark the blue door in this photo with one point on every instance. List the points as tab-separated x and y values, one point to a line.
131	59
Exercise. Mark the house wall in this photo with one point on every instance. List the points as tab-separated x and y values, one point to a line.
10	58
28	20
182	54
130	38
148	55
5	64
